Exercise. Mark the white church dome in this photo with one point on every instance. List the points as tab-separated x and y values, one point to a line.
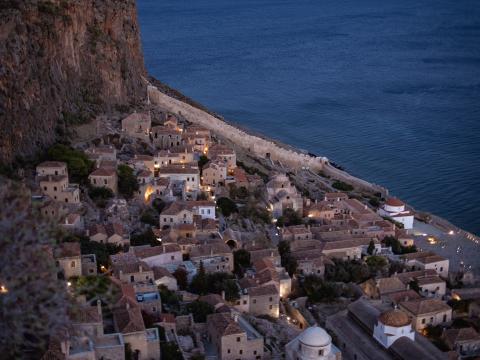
315	336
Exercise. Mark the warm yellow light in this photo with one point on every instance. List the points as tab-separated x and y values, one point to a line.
456	297
310	215
3	289
451	232
69	283
148	191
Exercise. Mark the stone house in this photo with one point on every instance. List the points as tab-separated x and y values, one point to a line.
225	153
183	212
258	299
214	173
52	177
133	272
230	340
158	188
282	194
128	320
425	312
69	259
427	261
137	125
158	255
165	137
350	249
104	177
173	156
102	153
465	341
111	233
89	264
163	277
187	174
216	257
335	197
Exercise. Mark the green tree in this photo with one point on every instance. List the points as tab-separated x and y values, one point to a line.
241	261
288	262
145	238
376	263
342	186
318	290
78	164
202	161
150	217
170	350
127	181
168	296
289	217
158	205
199	282
200	310
226	206
182	278
100	195
371	247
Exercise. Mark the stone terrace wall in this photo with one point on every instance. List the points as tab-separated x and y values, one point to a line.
258	146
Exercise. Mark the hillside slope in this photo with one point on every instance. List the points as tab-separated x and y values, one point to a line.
60	62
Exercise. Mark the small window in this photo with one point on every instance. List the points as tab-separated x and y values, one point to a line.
238	339
72	264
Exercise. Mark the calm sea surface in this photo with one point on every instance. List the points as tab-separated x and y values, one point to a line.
388	89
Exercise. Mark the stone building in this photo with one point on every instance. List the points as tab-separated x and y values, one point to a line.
233	338
104	177
69	259
137	125
425	312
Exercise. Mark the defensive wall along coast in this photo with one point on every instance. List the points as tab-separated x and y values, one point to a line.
257	146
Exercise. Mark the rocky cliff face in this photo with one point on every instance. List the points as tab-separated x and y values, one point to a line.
61	61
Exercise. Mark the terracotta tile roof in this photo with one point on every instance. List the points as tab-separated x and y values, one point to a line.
125	257
114	229
408	276
345	244
145	252
160	272
400	296
167	318
263	290
104	172
224	324
455	336
426	280
425	306
51	164
395	318
143	157
335	195
130	267
96	229
66	250
391	284
212	299
179	169
128	320
210	249
85	314
394	202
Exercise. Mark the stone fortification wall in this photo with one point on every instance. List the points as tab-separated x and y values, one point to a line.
358	183
257	146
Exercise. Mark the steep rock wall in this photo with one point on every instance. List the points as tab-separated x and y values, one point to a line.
61	61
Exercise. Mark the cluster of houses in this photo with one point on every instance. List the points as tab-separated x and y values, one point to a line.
385	323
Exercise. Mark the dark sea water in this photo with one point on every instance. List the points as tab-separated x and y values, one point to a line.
388	89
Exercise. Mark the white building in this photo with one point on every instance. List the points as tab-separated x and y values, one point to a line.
312	344
395	209
391	326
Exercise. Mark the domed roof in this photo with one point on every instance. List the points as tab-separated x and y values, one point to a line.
394	202
315	336
395	318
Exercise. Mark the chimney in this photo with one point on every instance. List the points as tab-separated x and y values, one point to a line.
99	308
140	267
164	249
223	294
